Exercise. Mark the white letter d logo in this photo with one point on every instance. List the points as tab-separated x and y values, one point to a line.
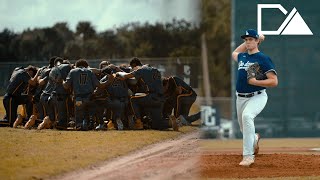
292	25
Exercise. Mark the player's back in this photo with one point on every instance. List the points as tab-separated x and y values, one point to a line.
18	81
185	87
151	77
118	88
83	81
62	70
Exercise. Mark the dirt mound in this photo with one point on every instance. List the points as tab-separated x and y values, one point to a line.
266	165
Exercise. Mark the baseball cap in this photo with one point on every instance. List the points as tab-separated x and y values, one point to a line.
250	33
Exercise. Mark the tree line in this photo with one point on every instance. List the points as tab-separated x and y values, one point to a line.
178	38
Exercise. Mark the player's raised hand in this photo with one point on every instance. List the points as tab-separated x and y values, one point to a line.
261	38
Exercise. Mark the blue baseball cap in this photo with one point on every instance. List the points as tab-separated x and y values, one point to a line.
250	33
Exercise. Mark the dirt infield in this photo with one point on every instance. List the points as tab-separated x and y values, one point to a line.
272	162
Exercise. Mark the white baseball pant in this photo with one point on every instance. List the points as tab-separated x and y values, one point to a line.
247	110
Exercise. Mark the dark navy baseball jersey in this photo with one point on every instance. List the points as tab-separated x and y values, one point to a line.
244	61
60	73
101	93
49	87
186	89
44	74
18	82
82	80
118	88
151	77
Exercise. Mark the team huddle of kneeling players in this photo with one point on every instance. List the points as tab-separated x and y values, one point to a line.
74	96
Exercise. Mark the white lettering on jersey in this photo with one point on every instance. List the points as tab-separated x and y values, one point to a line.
243	65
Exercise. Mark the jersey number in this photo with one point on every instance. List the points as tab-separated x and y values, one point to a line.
83	79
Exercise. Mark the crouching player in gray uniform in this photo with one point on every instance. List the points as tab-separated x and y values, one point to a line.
19	81
100	97
48	98
83	83
180	97
118	91
117	101
152	100
61	96
39	112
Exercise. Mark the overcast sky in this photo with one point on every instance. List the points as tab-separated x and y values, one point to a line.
18	15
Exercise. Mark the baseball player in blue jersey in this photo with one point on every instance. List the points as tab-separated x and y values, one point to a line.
39	113
153	98
83	83
114	99
48	98
251	90
19	81
61	96
101	100
118	91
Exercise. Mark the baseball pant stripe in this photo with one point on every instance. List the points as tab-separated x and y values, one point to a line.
17	88
131	105
10	109
178	99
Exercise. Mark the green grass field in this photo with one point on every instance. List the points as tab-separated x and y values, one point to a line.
34	154
27	154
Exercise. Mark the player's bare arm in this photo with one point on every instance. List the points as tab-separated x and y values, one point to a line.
124	76
33	81
42	81
95	70
66	85
271	81
241	48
